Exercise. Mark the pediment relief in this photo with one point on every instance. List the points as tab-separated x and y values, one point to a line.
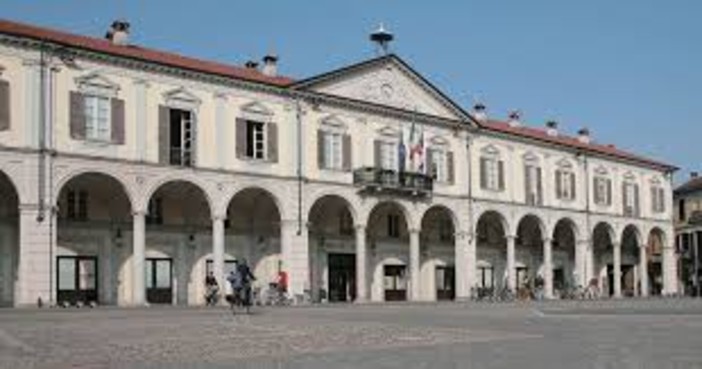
530	157
389	131
333	121
181	97
490	150
438	140
564	164
96	83
601	171
629	176
256	107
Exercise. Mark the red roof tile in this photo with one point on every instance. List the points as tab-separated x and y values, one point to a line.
139	53
541	135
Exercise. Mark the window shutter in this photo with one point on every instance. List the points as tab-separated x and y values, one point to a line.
527	184
347	151
321	162
483	172
539	190
572	185
501	174
117	121
609	191
164	134
636	199
559	185
77	116
240	138
596	190
4	105
376	154
450	168
654	199
193	139
625	197
661	198
272	142
430	169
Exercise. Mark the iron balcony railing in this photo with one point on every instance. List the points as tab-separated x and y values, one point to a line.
413	184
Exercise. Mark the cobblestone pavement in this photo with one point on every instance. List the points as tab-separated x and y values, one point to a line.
598	334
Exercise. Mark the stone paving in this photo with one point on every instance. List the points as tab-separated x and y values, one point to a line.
568	334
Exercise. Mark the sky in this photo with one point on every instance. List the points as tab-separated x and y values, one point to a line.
629	70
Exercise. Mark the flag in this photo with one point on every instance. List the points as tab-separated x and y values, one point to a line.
417	153
401	153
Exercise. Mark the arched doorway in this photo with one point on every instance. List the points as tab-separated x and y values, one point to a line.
332	250
491	250
178	232
438	273
9	240
630	261
565	274
603	258
253	234
654	260
388	237
530	270
93	243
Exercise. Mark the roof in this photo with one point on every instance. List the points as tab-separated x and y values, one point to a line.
139	53
694	184
573	142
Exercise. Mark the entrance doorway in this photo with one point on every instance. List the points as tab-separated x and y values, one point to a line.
342	277
445	283
159	280
522	278
77	280
395	282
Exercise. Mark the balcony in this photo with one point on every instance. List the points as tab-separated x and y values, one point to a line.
391	181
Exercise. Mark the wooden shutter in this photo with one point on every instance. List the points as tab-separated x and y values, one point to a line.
77	116
596	190
609	191
376	154
240	138
654	199
4	105
272	137
321	161
483	172
193	138
572	185
625	197
559	185
117	121
661	198
347	152
527	184
636	200
539	190
450	171
431	169
501	174
164	134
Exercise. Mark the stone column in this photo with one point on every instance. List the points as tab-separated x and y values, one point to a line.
548	268
511	271
464	260
218	248
295	256
617	261
670	273
361	265
138	258
36	268
643	271
414	264
581	249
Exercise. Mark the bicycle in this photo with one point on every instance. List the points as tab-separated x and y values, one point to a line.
240	299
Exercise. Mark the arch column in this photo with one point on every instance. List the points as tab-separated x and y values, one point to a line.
361	265
464	255
511	275
617	261
295	255
414	264
548	267
669	270
218	249
581	262
138	257
643	271
36	267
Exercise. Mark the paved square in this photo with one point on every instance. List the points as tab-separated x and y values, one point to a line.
606	334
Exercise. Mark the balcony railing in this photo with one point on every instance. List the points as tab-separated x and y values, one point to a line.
378	179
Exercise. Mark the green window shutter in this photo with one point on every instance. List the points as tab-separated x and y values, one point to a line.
164	135
77	115
4	105
117	121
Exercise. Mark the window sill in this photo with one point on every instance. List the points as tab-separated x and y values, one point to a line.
493	190
335	170
96	143
255	161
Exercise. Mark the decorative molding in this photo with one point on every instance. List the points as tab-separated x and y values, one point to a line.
438	140
256	107
389	132
490	149
530	157
333	121
181	97
564	163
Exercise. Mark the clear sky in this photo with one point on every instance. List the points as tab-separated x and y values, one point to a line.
630	70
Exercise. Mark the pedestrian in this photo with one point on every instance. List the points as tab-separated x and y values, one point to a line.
212	289
246	278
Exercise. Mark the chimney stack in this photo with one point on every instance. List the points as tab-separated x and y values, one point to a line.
584	135
270	65
552	128
515	119
480	112
118	32
251	64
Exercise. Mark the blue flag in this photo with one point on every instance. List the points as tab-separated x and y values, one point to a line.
401	153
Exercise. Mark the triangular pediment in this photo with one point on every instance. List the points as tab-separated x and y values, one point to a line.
386	81
181	95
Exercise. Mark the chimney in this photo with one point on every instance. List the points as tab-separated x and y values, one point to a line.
584	135
118	32
270	65
693	174
515	119
480	112
251	64
552	128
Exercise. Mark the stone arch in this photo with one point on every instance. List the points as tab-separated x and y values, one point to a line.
632	230
654	260
406	213
566	222
604	228
541	225
9	240
352	208
165	181
65	180
275	196
496	215
440	207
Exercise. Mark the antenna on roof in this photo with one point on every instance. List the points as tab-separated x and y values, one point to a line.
382	38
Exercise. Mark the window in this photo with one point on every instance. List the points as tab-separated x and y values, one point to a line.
485	277
98	122
681	210
657	199
565	184
532	180
630	195
388	155
439	166
255	139
345	223
603	191
155	213
491	174
182	137
333	152
77	205
393	225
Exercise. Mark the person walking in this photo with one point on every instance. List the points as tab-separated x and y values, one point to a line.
212	290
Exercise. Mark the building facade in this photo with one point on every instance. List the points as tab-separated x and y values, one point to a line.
688	233
129	173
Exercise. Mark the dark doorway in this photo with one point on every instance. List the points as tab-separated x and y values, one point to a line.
395	282
522	278
559	282
77	278
342	277
445	283
159	281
